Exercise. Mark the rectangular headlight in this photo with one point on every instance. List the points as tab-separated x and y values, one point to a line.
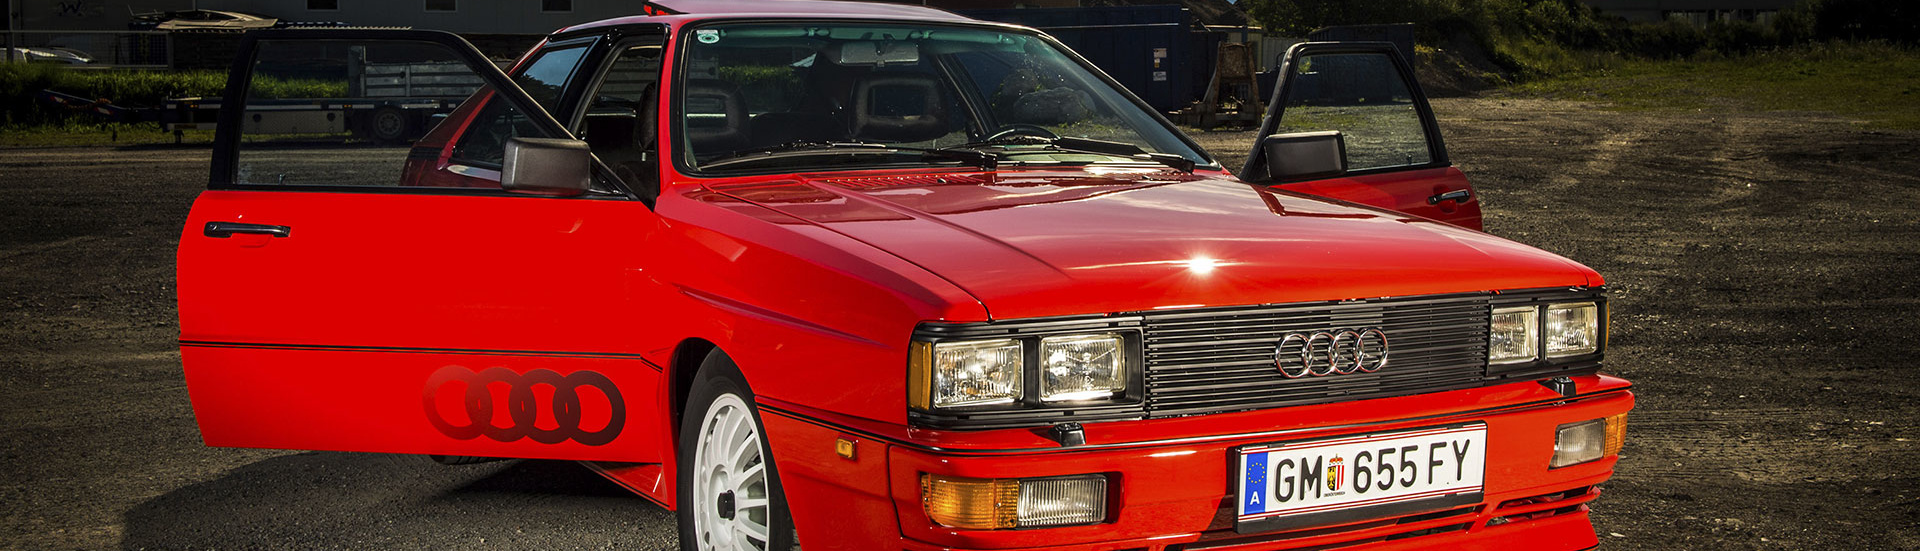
1512	336
1082	367
1573	329
976	373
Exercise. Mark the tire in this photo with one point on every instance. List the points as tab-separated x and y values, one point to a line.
388	125
727	504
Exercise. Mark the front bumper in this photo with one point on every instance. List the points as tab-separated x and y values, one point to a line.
1175	494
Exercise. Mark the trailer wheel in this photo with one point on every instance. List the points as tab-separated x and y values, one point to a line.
387	125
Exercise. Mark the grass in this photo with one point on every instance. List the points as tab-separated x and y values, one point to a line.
81	133
1875	84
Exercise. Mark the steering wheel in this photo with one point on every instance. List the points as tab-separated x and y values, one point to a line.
1012	130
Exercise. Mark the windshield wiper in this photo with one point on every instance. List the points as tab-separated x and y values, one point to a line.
982	159
1086	145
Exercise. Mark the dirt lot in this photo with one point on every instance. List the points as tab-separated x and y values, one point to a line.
1764	268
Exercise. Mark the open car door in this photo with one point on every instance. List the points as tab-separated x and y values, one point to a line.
1348	121
332	298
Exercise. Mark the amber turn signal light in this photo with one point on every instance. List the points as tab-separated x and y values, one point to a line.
1616	434
976	503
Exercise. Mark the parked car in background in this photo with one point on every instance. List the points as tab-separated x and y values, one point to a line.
46	54
876	276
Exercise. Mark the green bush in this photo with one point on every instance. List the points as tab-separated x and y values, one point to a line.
20	83
1538	38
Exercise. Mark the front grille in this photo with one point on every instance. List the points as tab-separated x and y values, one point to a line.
1221	360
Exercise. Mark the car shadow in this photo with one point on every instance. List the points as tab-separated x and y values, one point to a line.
359	501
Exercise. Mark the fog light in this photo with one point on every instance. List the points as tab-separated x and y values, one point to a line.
1579	443
1063	500
1001	503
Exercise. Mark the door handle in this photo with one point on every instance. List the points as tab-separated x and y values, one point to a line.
224	230
1455	195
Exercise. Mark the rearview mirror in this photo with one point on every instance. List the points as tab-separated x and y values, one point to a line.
1305	155
547	166
878	53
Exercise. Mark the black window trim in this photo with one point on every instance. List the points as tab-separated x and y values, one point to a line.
1254	171
226	141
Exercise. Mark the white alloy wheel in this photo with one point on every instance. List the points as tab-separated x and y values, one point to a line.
730	489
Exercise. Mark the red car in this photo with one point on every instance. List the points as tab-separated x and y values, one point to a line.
876	276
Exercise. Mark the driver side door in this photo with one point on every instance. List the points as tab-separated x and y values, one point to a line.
331	298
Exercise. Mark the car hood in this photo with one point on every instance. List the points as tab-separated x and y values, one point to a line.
1032	244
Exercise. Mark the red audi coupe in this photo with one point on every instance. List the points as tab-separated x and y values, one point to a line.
876	276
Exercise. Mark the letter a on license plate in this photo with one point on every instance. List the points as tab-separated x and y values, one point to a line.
1291	485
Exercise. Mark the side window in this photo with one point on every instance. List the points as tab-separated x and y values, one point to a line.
621	120
545	77
339	113
1364	97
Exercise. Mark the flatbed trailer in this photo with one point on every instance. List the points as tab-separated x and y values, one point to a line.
386	103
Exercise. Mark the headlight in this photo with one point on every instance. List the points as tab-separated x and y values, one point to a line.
1573	329
1082	367
1026	372
976	373
1512	335
1517	333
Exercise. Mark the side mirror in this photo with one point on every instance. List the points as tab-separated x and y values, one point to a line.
1304	155
547	166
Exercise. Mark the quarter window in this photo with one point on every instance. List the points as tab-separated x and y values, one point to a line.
621	123
484	142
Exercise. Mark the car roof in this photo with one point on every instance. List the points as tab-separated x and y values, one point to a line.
669	11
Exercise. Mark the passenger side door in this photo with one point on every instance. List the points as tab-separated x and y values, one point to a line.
332	299
1391	152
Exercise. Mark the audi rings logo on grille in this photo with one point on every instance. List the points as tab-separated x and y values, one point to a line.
1323	353
524	413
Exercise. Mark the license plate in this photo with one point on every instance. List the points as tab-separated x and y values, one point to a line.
1289	485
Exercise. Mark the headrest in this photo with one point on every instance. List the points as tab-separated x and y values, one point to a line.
899	108
716	116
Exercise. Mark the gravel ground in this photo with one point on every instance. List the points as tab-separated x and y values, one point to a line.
1763	267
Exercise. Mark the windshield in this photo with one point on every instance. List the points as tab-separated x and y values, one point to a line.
759	97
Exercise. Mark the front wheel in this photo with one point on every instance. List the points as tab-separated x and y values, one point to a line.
729	494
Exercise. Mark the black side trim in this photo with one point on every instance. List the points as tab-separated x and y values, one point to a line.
414	350
769	408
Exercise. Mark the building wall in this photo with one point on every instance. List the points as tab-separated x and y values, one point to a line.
86	15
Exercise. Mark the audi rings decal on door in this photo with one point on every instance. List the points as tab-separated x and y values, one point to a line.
522	405
1323	353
